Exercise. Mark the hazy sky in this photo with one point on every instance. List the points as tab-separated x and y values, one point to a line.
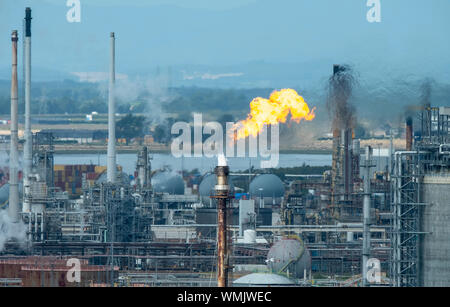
413	34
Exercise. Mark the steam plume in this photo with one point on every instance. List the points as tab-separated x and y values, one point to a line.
10	230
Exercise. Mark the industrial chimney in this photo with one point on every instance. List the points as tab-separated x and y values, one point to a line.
111	166
222	195
14	152
28	145
409	133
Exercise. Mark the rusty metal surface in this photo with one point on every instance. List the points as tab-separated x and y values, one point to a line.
47	271
222	196
221	244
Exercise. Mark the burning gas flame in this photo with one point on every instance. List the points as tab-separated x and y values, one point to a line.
273	111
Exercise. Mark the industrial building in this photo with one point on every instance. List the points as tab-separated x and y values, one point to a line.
155	230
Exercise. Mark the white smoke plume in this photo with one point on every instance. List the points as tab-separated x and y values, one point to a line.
153	92
10	230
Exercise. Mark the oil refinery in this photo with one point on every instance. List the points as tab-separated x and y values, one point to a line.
365	222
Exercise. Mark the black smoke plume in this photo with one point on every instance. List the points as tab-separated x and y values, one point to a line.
340	87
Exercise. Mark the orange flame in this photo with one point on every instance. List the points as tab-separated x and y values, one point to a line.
273	111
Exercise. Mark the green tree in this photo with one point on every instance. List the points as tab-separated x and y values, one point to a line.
130	127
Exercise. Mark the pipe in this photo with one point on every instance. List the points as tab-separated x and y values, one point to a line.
346	142
14	152
356	156
391	152
366	216
42	227
111	167
27	149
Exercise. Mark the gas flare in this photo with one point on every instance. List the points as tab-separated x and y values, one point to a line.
273	111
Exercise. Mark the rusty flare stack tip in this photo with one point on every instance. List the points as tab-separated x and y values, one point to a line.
222	179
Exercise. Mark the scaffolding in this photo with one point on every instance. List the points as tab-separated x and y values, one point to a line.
409	168
406	219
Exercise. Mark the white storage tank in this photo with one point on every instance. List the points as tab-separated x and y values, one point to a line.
249	236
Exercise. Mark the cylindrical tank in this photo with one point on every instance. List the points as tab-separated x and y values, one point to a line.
290	256
434	251
249	236
350	236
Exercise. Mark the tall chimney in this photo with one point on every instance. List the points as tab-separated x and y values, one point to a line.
222	196
409	133
111	167
27	149
14	152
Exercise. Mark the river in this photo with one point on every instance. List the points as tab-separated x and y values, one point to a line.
203	164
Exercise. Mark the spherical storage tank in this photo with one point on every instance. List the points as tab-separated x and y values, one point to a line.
289	255
168	182
263	280
267	185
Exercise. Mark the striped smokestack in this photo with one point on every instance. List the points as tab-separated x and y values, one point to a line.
111	167
222	195
14	209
